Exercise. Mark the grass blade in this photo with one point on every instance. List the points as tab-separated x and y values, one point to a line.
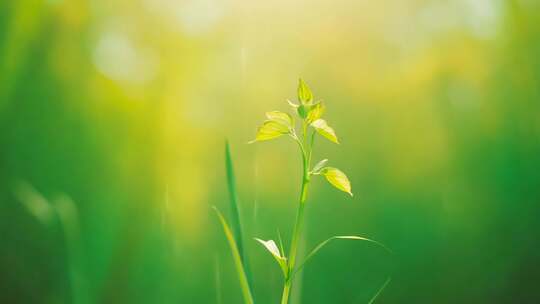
379	291
233	199
242	277
339	237
235	210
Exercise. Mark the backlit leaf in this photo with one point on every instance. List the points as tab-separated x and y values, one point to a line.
305	96
315	112
325	130
337	178
271	246
280	117
269	130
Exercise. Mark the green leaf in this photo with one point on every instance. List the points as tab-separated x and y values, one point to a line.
271	246
240	270
317	168
337	178
338	237
280	117
305	96
234	205
303	110
269	130
316	112
322	128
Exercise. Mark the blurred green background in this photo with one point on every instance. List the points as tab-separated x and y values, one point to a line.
114	114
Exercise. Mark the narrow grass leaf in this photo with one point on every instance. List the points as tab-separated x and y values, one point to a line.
233	200
240	270
339	237
380	290
235	209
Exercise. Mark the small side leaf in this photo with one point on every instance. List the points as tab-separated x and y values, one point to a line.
315	112
305	96
269	130
240	270
317	168
322	128
339	237
292	104
280	117
271	246
303	110
337	178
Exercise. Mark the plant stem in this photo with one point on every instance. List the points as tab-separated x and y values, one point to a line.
286	292
306	158
294	242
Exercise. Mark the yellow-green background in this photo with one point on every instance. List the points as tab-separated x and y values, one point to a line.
113	117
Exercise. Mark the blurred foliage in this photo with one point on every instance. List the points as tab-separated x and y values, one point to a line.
113	116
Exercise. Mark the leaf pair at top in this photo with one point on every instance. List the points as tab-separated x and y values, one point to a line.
280	123
310	113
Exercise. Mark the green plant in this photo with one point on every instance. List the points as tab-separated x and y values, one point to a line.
278	124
